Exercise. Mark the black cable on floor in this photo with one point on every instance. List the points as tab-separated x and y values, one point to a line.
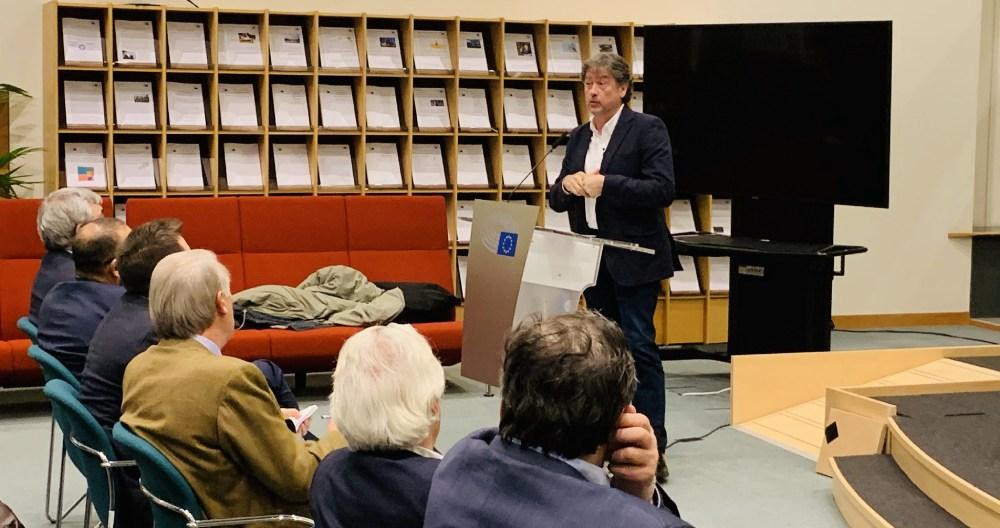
695	438
940	334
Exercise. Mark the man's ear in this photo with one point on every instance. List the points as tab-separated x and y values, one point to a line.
221	303
113	269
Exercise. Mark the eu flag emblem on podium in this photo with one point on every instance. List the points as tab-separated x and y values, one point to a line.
507	245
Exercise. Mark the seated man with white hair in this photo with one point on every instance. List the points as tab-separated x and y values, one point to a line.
59	216
386	401
214	416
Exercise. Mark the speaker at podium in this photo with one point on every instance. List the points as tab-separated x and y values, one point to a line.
515	271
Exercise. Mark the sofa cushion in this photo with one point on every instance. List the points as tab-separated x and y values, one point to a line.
285	238
309	349
249	345
16	277
24	370
20	233
6	364
209	223
445	338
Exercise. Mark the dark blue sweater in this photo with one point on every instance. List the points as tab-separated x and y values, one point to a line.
57	266
69	316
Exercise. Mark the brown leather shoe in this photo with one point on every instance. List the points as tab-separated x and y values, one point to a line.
662	472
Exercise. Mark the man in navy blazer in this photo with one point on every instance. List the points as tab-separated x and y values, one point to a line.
616	179
72	310
59	216
570	450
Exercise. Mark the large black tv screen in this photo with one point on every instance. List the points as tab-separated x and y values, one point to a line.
795	111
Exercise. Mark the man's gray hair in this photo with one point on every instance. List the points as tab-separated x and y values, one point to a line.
61	212
182	293
385	386
615	65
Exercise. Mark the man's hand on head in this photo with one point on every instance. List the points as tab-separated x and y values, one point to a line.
632	455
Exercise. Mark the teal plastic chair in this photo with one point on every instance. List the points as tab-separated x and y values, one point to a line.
89	448
53	369
174	502
26	326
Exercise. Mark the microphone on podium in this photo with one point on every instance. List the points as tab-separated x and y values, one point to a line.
561	140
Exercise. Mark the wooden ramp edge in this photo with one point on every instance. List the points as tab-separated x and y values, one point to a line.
856	512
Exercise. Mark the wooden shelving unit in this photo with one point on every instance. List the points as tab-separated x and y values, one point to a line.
691	318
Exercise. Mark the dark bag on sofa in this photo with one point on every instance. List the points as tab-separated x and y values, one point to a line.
425	302
7	517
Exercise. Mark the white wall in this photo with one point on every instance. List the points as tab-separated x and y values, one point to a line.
911	267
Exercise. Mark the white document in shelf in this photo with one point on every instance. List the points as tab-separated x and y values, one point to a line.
336	169
519	110
428	165
184	167
134	43
338	48
186	44
431	52
85	165
431	105
239	45
682	217
637	56
719	274
82	44
516	166
237	106
134	105
472	166
472	52
560	110
242	165
384	50
519	53
381	109
564	55
291	165
473	111
636	102
134	166
722	217
382	165
554	220
602	44
291	108
84	102
463	273
685	281
287	47
185	105
336	107
553	163
463	221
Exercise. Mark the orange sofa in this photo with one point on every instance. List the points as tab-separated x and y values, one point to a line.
262	240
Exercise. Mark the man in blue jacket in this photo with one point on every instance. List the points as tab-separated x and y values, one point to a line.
616	178
570	450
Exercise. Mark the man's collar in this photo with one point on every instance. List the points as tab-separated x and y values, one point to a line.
608	127
588	471
208	344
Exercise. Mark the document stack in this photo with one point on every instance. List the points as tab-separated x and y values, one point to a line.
338	49
134	45
519	110
431	53
184	167
382	166
134	166
473	110
336	107
239	46
472	53
82	42
85	166
472	166
186	45
336	168
519	54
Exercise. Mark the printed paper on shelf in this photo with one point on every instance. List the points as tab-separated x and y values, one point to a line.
237	106
564	55
134	105
428	165
472	52
82	43
638	53
384	50
519	54
287	47
519	110
636	102
472	166
516	166
602	44
239	46
85	165
553	164
242	166
685	281
338	49
184	167
84	104
381	109
382	165
336	106
134	44
473	110
291	165
186	44
185	105
463	220
134	167
431	52
336	169
431	106
291	108
682	217
560	110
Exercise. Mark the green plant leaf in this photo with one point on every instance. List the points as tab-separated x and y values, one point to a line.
10	88
8	157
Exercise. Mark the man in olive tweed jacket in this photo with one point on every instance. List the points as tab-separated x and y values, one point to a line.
213	416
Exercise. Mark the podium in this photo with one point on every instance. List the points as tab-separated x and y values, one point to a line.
517	270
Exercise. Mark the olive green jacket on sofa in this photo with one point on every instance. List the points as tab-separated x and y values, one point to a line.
216	420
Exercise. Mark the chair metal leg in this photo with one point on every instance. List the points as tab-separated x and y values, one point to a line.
60	514
86	512
48	474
